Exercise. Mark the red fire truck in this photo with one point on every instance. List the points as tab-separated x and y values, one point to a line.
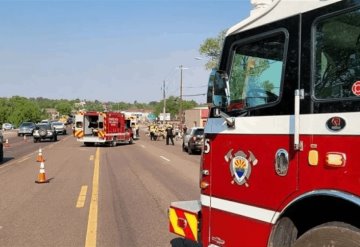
281	160
102	128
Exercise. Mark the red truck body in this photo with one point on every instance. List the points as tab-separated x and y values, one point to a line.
280	165
102	128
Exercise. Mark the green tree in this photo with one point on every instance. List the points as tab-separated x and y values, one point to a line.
22	109
94	106
64	108
211	49
173	106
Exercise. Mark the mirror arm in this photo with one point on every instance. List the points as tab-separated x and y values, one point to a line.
230	121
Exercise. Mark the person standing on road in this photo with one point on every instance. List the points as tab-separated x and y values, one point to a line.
169	135
152	132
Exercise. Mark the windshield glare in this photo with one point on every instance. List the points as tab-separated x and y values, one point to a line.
255	74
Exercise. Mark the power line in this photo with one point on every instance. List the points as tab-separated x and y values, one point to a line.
190	95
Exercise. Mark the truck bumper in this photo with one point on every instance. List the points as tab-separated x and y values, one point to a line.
91	139
184	219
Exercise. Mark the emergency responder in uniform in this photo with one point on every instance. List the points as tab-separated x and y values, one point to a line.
169	135
152	133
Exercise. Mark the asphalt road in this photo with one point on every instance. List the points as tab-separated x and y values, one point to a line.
96	196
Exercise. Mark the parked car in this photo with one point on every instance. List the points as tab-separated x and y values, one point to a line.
44	131
193	140
26	128
7	126
59	127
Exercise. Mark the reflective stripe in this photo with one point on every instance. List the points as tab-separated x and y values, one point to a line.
245	210
311	124
79	133
191	223
101	134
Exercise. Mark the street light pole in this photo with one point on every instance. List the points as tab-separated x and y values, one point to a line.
164	98
181	87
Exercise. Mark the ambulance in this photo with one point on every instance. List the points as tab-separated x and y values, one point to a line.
106	128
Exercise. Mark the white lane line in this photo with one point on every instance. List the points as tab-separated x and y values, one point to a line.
164	158
22	160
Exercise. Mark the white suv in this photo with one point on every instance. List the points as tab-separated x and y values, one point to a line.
59	127
193	140
44	131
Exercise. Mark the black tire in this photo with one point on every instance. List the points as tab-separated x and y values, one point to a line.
181	242
1	153
131	141
36	140
189	150
283	234
330	234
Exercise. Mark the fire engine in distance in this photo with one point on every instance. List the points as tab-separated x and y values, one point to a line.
107	128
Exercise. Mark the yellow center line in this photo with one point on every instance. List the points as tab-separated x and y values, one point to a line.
93	212
82	197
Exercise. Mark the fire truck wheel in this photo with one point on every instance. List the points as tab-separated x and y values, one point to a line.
283	234
330	234
181	242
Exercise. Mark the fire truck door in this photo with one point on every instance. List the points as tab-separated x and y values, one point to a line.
253	165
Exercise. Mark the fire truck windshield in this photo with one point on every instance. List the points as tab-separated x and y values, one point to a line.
337	57
256	72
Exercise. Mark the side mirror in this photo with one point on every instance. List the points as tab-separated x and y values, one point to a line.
217	93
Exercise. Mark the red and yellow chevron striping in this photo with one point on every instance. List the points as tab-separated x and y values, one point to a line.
79	133
183	223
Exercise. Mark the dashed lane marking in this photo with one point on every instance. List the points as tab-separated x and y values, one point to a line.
82	197
164	158
23	159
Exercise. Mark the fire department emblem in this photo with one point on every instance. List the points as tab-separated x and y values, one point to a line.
240	165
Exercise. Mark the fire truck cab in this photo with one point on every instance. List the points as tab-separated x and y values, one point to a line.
280	165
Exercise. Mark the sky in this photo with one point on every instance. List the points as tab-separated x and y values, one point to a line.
109	50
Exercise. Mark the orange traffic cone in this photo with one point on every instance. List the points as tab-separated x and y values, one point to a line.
41	176
7	144
40	157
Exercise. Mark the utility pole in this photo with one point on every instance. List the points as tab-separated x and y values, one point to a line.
164	98
181	87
